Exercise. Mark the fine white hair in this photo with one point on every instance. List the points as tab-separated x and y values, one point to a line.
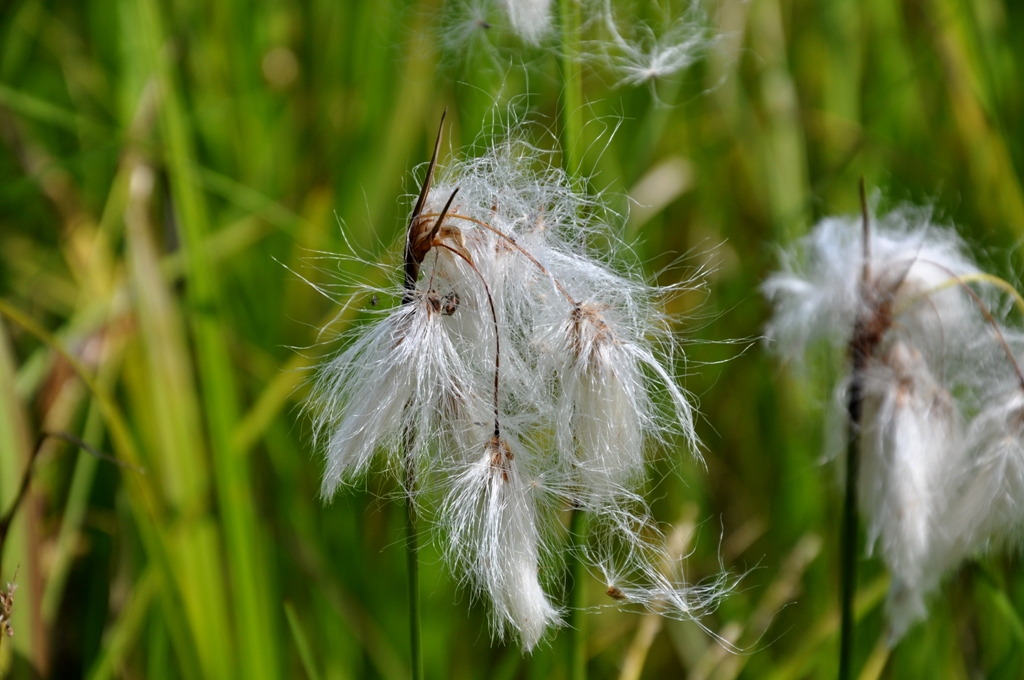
638	52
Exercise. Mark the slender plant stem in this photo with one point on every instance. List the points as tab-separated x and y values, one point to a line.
572	86
577	572
415	239
861	346
572	128
849	531
412	558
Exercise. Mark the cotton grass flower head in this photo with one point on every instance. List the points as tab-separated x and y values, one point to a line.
522	374
930	346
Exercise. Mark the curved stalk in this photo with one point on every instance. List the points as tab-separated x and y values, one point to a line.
513	244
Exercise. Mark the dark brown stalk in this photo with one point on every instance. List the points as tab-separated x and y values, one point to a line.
26	478
417	243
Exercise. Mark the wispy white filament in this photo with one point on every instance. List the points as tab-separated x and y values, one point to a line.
640	53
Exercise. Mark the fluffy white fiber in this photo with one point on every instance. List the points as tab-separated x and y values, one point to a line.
531	19
942	461
523	375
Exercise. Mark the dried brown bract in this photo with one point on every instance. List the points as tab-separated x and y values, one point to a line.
7	607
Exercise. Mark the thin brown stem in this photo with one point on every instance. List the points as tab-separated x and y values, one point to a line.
26	478
512	242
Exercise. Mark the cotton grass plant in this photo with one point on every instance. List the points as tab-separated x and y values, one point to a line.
191	569
932	395
517	374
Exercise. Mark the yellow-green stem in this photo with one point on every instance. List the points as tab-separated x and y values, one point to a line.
412	558
861	346
578	528
572	86
572	127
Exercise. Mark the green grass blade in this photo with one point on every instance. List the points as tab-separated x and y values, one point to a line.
301	643
249	583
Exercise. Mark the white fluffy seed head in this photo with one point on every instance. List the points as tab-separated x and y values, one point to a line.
941	462
988	510
570	322
818	294
911	433
603	398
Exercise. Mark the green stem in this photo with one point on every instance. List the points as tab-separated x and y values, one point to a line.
412	558
848	538
862	344
578	528
572	86
572	128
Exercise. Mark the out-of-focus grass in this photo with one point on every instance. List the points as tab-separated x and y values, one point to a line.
165	167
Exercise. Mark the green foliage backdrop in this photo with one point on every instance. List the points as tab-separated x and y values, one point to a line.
169	173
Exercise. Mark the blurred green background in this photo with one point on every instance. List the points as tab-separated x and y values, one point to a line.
170	170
